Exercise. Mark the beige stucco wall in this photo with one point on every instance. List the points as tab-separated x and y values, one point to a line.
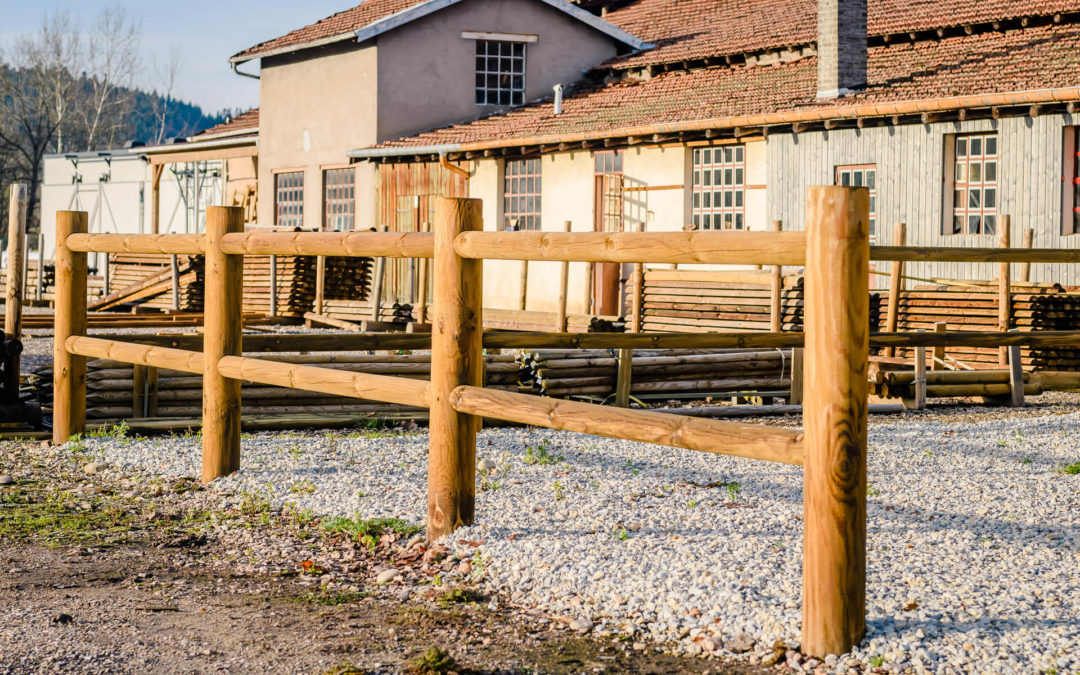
427	70
315	107
568	186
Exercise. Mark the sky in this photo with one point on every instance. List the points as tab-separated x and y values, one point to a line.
207	34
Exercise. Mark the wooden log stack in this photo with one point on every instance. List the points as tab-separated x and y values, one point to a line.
948	383
974	306
659	372
95	285
699	301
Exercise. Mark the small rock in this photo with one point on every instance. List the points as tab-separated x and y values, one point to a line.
6	480
707	644
485	465
581	625
415	541
62	619
740	643
95	467
464	567
386	576
403	596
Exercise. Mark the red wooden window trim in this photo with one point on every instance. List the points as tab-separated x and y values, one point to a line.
1070	188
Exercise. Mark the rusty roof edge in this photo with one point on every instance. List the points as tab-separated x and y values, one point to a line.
820	114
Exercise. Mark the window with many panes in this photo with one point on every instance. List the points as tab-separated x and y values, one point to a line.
521	194
500	72
289	199
717	197
339	199
975	184
861	175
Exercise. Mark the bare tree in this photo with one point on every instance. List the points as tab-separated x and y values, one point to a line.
111	65
165	76
36	94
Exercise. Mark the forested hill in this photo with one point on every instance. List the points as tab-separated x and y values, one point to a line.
143	120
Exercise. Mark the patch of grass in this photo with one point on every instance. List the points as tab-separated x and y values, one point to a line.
304	487
367	532
326	599
557	487
256	503
541	454
303	518
733	491
345	668
621	534
1070	469
434	660
1025	460
459	595
877	660
55	517
872	491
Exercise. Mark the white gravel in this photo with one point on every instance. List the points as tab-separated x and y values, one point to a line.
973	534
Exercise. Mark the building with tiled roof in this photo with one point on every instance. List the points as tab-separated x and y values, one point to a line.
957	114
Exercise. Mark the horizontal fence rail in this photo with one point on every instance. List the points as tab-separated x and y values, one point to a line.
725	248
337	244
724	438
385	388
166	358
178	244
974	255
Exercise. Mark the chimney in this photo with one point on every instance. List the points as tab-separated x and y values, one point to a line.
841	47
558	99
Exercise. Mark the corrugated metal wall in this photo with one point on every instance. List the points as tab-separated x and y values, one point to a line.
910	180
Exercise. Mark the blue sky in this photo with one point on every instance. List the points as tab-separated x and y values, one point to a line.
207	34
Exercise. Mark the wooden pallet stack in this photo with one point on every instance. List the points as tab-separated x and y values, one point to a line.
110	392
682	372
973	306
700	301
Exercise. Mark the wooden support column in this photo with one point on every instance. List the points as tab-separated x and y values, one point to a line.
69	371
1004	287
456	359
420	315
320	283
776	289
1016	375
564	285
13	302
221	395
40	294
834	418
623	377
1024	273
274	287
155	198
797	366
377	285
138	391
174	267
524	300
938	362
151	391
919	402
896	286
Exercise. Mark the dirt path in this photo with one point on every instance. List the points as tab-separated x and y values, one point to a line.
98	578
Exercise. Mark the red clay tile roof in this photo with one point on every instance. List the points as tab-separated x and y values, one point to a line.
342	23
243	121
1039	58
696	29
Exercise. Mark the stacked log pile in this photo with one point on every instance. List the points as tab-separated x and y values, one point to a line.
973	306
357	308
110	386
948	383
146	281
532	320
95	285
682	372
699	301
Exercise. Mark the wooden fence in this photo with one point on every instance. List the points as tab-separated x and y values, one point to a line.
832	446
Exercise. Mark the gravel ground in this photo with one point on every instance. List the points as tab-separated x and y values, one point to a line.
973	533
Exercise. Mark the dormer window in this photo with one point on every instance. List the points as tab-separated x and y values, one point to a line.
500	72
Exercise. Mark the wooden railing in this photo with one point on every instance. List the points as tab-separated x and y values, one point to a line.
832	447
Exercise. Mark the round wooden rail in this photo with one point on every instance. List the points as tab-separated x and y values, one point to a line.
385	388
142	355
723	438
983	255
180	244
725	248
340	244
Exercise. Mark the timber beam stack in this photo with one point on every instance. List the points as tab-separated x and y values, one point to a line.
700	301
146	281
532	320
973	306
677	372
949	384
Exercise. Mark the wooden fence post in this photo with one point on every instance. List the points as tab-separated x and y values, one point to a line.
421	312
69	370
456	359
564	284
377	285
797	365
320	270
624	377
1004	288
896	286
174	267
938	362
222	327
1024	273
834	418
920	379
1016	375
16	272
776	289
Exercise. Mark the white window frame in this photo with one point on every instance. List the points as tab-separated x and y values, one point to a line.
730	192
489	85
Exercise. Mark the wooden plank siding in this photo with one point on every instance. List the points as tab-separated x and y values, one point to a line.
400	191
910	163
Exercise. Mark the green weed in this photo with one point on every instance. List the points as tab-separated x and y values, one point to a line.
434	660
541	453
1070	469
367	532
